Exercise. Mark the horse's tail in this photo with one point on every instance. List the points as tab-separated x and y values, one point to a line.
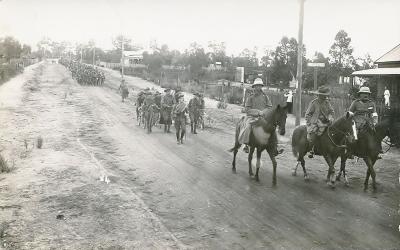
298	140
237	145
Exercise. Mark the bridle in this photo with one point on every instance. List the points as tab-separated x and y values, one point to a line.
346	134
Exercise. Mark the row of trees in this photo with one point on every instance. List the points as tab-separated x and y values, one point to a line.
12	48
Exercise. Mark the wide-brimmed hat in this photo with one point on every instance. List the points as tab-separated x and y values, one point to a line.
364	90
322	90
257	82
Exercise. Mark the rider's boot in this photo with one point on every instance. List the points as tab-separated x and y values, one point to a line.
311	139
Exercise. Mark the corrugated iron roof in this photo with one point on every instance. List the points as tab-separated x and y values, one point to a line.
392	56
377	72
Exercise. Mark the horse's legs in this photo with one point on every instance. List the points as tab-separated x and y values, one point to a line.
294	171
250	158
370	172
234	160
331	171
258	163
274	165
303	165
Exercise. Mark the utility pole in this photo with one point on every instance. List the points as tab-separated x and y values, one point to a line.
94	56
122	57
300	62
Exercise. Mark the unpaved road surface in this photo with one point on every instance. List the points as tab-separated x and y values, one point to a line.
101	182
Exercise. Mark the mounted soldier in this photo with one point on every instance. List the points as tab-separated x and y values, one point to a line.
179	115
319	116
254	105
194	112
365	114
167	103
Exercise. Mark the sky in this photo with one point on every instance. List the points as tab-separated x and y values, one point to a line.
373	25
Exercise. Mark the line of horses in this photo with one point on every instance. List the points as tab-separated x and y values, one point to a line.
335	142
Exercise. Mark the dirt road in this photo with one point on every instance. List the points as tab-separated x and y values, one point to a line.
101	182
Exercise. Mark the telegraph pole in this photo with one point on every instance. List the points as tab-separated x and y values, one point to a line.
122	57
300	62
94	56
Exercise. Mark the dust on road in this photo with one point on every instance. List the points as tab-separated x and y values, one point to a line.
101	182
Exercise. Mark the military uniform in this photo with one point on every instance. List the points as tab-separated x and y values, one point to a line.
363	112
318	116
179	114
194	112
167	103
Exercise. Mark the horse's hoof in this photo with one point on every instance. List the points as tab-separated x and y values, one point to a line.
294	173
257	179
346	184
306	178
338	178
331	184
234	170
251	174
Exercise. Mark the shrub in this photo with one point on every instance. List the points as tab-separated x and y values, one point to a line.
4	166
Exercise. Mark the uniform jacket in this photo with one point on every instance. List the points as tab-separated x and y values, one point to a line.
360	108
258	102
167	101
319	110
194	105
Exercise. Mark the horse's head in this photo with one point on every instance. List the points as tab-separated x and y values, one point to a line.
347	126
277	116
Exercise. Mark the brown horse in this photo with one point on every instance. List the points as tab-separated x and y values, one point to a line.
331	144
367	148
259	138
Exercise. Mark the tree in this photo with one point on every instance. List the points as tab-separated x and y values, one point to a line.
284	65
26	50
117	43
341	54
10	48
362	63
218	52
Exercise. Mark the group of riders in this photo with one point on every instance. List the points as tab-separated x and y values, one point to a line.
152	107
83	73
319	115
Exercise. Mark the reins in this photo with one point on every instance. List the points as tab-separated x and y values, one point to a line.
331	139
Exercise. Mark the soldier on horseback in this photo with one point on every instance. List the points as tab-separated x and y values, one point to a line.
194	112
179	114
167	103
319	116
365	114
254	105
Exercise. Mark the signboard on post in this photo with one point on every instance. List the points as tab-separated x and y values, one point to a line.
319	65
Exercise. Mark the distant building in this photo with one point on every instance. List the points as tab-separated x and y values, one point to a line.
386	75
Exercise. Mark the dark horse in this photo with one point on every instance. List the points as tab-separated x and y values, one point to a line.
331	144
260	132
367	147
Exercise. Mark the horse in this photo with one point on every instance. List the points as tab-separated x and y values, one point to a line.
367	148
331	144
259	137
149	116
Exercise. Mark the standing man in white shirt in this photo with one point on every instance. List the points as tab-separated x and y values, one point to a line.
289	101
386	96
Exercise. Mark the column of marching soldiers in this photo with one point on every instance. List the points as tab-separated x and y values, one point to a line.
83	73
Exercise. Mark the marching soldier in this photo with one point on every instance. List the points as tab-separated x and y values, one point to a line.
179	114
167	103
194	112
